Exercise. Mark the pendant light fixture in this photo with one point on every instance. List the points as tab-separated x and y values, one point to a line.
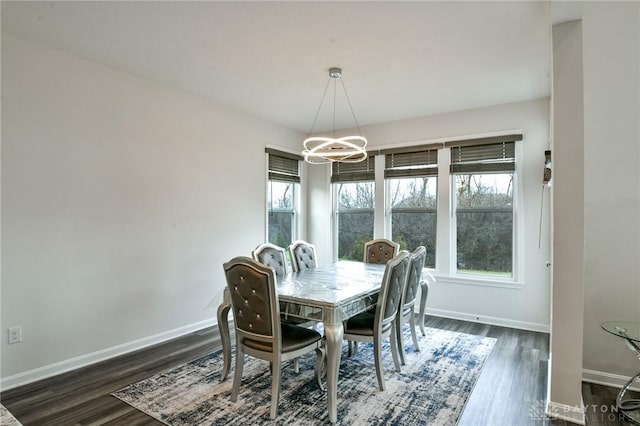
323	149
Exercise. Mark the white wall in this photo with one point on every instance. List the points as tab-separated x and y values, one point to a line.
611	33
121	199
524	307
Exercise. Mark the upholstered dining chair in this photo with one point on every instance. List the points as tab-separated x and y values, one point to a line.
303	255
407	305
272	255
374	327
380	250
259	332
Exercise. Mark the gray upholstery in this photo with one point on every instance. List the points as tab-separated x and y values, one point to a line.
303	255
380	250
407	307
275	256
259	333
373	327
272	255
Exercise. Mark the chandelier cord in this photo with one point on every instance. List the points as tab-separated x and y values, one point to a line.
350	106
333	133
320	106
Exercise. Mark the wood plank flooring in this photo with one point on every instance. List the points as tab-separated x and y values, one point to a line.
511	389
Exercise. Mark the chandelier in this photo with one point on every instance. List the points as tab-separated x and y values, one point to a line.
322	149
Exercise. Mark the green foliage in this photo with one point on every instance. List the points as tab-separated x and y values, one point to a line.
280	226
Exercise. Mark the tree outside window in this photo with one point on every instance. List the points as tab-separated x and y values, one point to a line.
281	212
413	214
484	223
355	218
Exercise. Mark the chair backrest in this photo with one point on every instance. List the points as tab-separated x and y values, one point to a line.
272	255
417	259
380	250
393	284
256	312
303	255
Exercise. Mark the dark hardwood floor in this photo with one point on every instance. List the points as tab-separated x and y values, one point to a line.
511	389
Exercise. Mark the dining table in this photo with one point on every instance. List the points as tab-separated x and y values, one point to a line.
327	294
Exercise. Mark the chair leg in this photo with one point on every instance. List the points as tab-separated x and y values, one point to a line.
237	374
352	348
275	390
398	330
320	370
377	356
414	335
394	350
296	365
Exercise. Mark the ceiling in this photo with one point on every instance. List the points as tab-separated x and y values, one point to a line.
271	59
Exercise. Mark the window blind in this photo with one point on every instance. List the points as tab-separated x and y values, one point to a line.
283	167
487	155
421	161
353	172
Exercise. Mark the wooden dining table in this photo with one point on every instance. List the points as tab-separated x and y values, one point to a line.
329	294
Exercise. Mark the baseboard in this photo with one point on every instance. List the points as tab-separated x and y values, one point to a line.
483	319
567	413
573	414
40	373
606	379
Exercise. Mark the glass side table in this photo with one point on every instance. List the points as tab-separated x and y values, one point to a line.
630	332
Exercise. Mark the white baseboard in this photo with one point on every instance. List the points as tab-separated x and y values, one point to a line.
606	379
483	319
40	373
566	412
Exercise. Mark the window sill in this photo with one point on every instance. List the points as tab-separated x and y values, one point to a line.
483	282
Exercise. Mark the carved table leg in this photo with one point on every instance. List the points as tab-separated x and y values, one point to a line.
333	335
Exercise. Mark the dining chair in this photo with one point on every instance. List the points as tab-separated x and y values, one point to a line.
275	256
259	332
406	311
272	255
374	327
303	255
380	250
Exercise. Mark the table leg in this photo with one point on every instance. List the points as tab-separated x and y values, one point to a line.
223	328
333	336
424	291
626	406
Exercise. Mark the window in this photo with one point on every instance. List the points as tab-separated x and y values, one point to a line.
412	182
282	197
353	187
457	198
483	179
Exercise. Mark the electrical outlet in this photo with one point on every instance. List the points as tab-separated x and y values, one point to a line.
15	334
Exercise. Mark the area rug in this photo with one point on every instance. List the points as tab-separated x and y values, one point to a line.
6	418
432	388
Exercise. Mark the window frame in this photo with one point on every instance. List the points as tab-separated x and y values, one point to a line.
413	162
445	271
454	239
297	191
350	173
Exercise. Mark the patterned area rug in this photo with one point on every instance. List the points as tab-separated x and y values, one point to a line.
432	388
6	418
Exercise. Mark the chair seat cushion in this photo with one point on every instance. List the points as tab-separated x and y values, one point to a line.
293	338
361	324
